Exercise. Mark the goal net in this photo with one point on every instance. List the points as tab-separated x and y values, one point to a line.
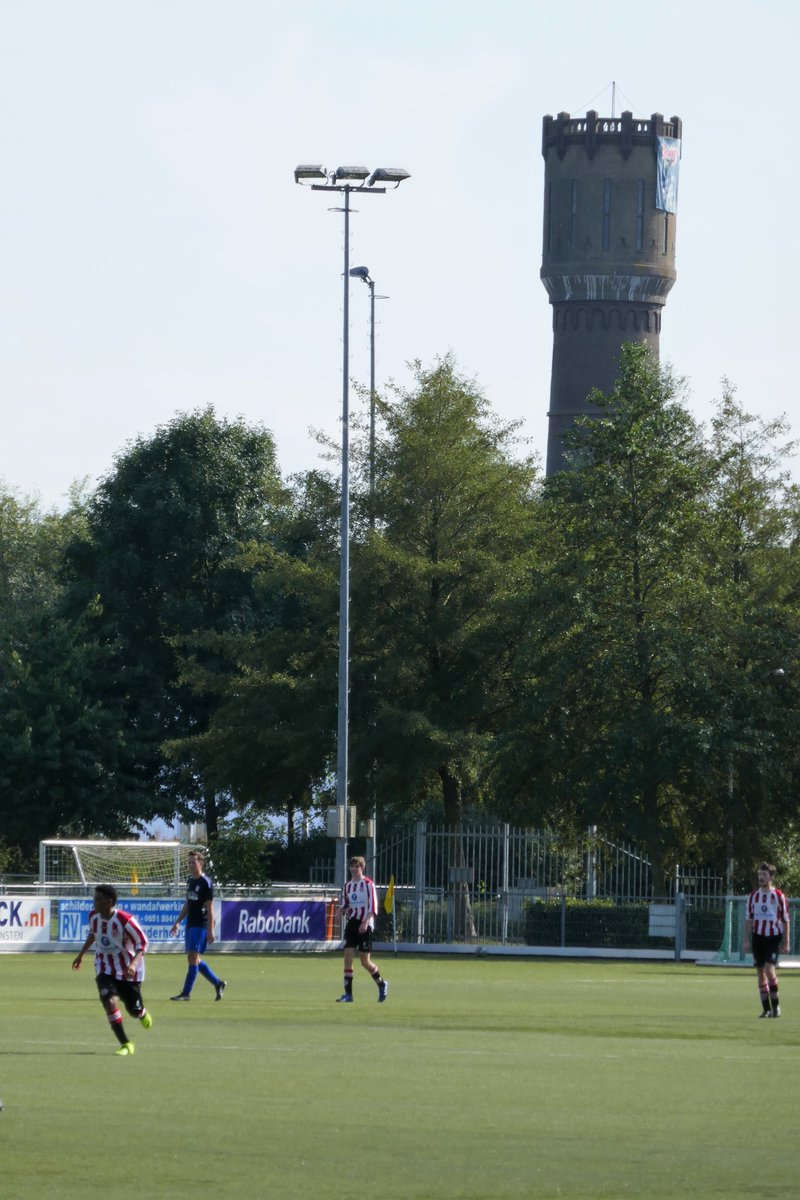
731	952
130	866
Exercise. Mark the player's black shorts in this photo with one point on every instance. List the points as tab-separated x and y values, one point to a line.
766	949
354	939
128	991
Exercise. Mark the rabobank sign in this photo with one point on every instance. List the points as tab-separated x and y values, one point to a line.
273	921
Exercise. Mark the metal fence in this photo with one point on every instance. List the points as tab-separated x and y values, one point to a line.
508	886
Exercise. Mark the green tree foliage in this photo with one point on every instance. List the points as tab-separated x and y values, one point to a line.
162	556
432	637
58	744
657	686
270	739
602	732
753	558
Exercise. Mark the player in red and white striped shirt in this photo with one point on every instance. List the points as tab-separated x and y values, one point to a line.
360	907
766	926
120	944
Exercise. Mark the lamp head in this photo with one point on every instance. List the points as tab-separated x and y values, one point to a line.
354	174
309	171
394	175
361	273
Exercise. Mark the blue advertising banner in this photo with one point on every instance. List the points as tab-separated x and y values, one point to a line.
154	916
273	921
668	159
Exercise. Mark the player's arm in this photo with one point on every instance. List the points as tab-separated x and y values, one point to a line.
134	964
748	935
179	918
211	933
785	922
78	959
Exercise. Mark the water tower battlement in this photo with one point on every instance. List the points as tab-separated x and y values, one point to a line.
608	252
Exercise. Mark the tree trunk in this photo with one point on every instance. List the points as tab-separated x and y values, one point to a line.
655	841
459	890
211	814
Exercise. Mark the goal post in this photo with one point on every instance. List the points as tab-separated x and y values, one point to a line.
130	866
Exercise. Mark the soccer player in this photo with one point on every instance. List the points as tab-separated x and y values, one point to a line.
120	944
766	926
198	908
360	906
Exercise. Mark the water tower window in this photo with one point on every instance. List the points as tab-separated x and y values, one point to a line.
640	215
573	215
549	225
606	213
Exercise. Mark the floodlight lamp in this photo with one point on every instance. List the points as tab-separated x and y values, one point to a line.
309	171
394	175
360	273
357	174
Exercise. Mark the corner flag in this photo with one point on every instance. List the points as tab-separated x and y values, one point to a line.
388	902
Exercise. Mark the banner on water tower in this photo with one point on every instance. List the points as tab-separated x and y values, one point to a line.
668	161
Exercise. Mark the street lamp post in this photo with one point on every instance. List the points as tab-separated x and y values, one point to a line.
345	181
363	274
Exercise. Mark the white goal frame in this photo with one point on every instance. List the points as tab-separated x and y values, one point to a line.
130	864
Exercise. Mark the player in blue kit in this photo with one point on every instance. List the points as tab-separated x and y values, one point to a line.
198	909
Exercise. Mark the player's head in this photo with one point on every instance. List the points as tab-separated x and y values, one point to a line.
105	898
765	872
196	859
357	863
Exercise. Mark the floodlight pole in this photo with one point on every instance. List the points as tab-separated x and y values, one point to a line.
338	182
343	730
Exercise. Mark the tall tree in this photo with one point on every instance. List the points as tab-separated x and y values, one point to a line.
753	555
602	731
59	747
270	739
162	555
431	636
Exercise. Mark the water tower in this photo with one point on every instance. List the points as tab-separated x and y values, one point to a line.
608	255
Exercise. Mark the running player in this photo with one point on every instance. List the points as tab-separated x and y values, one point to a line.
120	944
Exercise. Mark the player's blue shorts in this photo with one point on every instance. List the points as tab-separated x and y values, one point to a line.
196	938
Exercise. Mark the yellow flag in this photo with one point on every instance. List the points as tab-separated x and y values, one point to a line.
388	902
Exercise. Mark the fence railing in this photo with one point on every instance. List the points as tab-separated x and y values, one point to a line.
502	858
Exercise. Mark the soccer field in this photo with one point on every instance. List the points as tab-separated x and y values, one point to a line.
479	1079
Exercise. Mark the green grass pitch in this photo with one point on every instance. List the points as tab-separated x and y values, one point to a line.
479	1079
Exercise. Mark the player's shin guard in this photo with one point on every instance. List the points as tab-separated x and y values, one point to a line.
763	992
348	983
773	994
115	1021
376	975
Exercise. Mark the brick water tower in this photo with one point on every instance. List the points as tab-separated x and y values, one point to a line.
608	256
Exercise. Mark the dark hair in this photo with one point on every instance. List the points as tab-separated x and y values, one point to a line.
106	889
768	867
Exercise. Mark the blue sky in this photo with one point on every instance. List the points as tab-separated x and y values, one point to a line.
157	255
